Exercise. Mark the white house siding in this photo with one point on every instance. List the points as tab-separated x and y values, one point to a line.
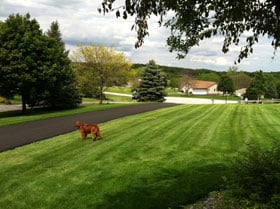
200	92
197	87
213	89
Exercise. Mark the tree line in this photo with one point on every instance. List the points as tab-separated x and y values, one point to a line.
36	66
257	84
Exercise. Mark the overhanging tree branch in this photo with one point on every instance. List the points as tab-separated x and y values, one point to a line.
194	21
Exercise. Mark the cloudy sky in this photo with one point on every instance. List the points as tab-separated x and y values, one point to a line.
80	22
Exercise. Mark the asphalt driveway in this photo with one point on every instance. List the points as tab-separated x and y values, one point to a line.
21	134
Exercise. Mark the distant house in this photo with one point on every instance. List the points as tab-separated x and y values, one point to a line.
240	92
198	87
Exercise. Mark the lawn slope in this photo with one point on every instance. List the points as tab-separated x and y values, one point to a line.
155	160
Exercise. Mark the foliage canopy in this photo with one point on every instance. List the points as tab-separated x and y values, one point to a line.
98	67
226	84
34	65
257	87
193	21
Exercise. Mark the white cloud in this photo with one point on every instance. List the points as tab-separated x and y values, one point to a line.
220	61
80	22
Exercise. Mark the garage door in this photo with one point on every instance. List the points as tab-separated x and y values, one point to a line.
200	92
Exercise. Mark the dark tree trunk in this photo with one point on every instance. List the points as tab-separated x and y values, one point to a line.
101	96
23	100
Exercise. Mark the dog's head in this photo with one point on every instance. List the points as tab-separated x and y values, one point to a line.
78	124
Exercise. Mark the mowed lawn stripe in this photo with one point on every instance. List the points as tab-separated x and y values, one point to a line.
268	123
223	130
261	124
155	160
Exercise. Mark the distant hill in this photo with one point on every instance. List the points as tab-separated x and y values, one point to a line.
179	71
241	79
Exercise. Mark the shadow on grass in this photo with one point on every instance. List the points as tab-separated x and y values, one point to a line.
37	111
170	189
16	113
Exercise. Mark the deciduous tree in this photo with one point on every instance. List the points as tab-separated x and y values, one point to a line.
31	63
226	85
257	87
101	66
21	48
271	87
240	79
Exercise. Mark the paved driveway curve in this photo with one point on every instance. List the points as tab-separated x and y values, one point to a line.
26	133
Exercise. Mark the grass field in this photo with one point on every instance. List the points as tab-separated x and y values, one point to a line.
156	160
169	92
14	117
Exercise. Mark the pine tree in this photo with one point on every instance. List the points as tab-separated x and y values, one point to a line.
151	87
55	33
63	92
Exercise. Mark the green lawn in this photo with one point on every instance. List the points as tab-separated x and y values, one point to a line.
119	89
169	92
14	117
155	160
118	99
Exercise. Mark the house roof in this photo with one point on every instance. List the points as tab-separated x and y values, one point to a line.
198	84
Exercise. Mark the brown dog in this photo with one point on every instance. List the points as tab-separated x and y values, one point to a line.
85	129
